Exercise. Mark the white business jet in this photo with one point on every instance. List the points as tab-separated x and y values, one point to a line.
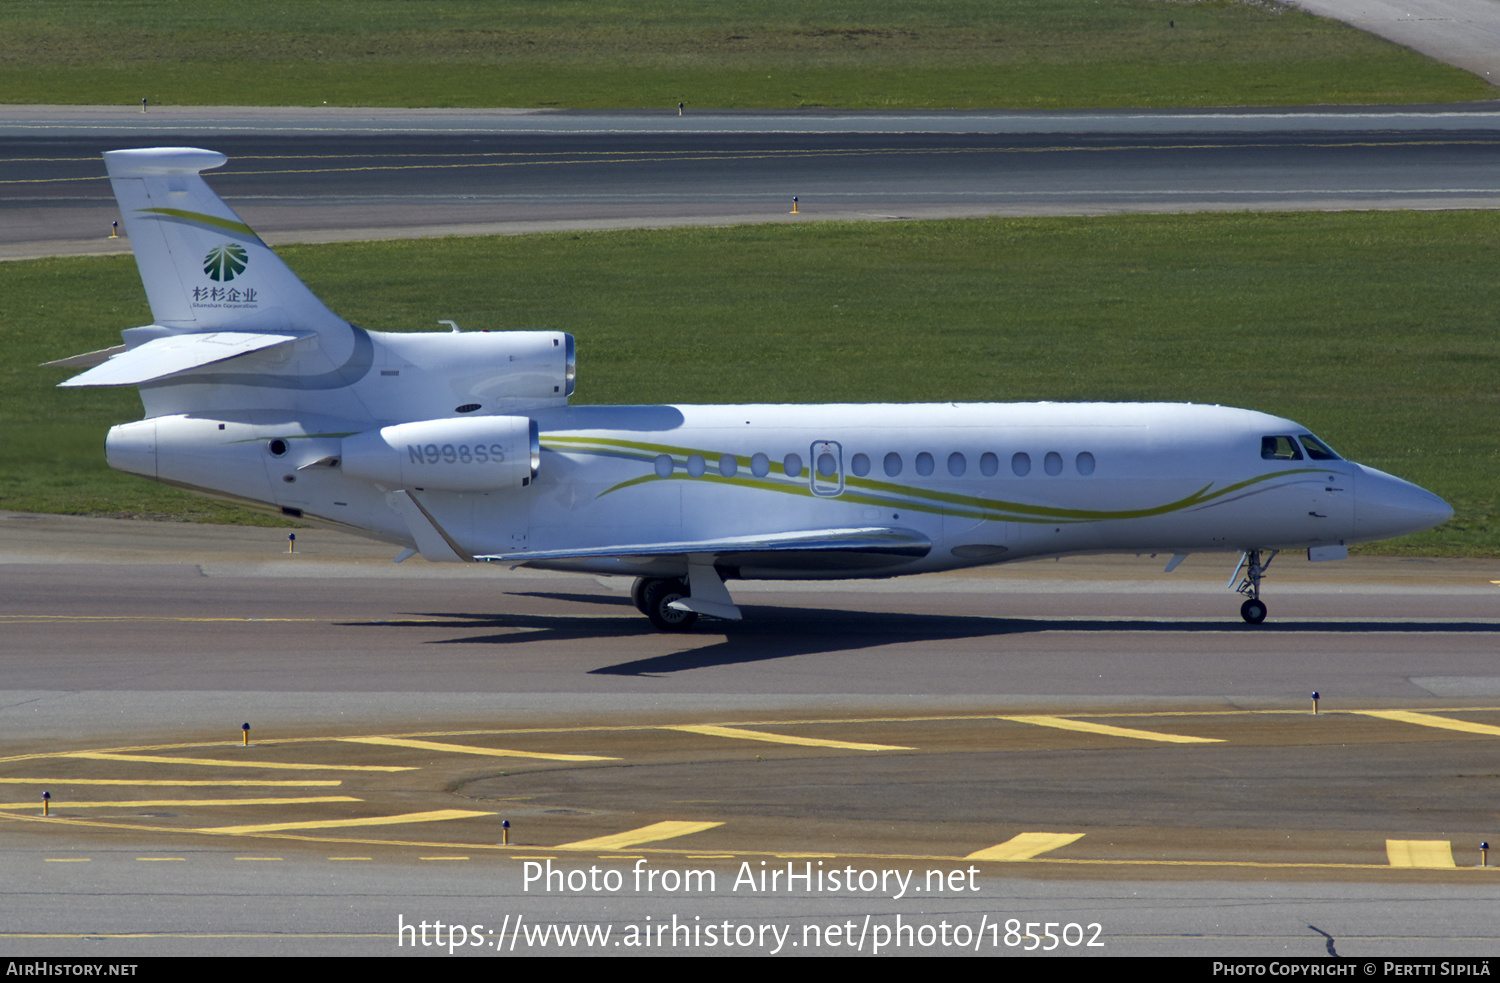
462	446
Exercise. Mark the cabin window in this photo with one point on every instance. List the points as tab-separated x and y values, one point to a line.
791	466
1316	449
1280	449
860	465
989	464
1052	463
664	465
728	465
760	465
957	465
892	464
1085	463
696	465
924	464
1020	463
827	466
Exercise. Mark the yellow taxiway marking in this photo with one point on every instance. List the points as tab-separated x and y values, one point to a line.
635	837
141	803
1025	846
410	817
1063	723
760	735
221	763
493	752
1420	853
180	782
1428	720
258	858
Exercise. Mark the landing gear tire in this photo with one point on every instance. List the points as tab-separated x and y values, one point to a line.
1253	611
638	593
656	595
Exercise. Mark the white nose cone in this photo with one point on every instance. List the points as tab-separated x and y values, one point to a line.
1386	507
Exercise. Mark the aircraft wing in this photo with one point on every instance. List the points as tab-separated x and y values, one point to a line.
161	357
815	548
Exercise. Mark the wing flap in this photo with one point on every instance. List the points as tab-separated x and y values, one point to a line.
161	357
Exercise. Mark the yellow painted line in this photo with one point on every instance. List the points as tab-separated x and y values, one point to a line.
634	837
1428	720
348	858
221	763
442	858
147	860
180	782
258	858
1420	853
1063	723
410	817
493	752
141	803
760	735
1025	846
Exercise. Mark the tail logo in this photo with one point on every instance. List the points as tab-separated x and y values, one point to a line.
224	263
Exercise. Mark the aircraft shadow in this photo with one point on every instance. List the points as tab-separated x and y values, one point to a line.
769	633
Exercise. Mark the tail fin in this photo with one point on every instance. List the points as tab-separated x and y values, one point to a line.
203	268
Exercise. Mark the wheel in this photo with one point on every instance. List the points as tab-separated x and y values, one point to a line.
656	595
1253	611
638	593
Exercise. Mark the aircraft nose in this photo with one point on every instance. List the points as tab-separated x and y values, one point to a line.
1386	507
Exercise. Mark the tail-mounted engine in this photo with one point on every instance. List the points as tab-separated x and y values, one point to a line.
474	455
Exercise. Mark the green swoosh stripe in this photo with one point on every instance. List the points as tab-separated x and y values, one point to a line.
199	218
887	494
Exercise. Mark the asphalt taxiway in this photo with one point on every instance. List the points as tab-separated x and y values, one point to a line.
1070	736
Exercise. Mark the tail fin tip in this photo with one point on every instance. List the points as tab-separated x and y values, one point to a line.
161	160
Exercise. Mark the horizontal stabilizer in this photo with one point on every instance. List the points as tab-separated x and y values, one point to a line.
85	361
885	542
161	357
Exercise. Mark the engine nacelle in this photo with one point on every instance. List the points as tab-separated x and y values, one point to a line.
459	455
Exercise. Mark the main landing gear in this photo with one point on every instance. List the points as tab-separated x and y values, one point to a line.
1254	609
674	603
653	597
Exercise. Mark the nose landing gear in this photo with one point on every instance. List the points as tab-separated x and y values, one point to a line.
1254	609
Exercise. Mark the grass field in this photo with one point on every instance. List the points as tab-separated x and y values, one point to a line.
870	54
1376	330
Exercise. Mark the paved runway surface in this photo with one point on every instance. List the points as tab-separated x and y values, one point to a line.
508	172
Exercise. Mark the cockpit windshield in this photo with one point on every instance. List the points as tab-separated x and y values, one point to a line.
1285	447
1316	449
